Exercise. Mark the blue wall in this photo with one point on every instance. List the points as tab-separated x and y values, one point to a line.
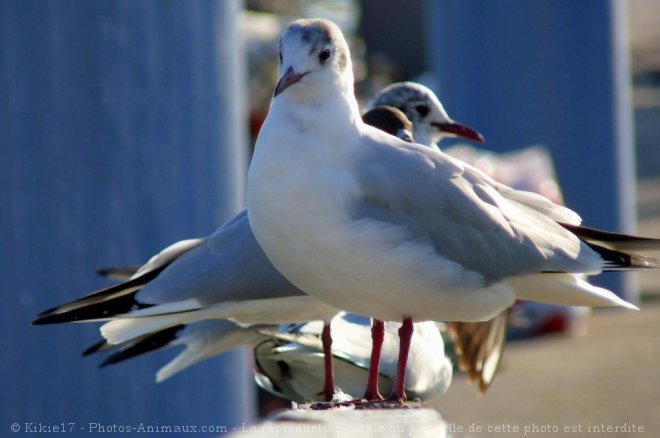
120	133
555	73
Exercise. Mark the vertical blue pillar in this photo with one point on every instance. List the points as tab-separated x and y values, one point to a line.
555	73
121	131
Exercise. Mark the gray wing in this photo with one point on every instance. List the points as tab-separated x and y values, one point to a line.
464	215
229	266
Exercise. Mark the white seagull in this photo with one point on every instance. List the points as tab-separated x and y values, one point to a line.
374	225
290	364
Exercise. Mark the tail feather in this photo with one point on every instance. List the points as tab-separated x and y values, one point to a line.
205	340
565	290
480	347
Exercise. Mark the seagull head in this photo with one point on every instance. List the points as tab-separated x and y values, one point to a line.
314	61
391	120
429	118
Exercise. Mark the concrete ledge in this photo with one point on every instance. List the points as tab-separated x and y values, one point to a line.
349	422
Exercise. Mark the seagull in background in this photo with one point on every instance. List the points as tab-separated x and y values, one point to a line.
430	121
289	364
398	231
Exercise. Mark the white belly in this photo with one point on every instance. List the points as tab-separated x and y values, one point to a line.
363	266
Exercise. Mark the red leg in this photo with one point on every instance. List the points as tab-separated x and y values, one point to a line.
405	335
329	387
377	335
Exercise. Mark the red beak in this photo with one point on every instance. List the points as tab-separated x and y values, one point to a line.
288	78
459	130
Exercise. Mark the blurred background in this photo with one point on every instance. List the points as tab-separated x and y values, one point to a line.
128	125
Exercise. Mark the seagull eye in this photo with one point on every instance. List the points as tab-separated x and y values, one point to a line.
324	55
422	110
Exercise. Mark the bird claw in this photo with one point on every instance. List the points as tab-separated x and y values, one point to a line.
362	404
373	396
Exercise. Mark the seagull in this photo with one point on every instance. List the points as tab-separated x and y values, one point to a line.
377	226
168	301
430	121
289	364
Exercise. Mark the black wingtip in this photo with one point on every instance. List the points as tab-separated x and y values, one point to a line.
615	248
101	304
93	312
644	262
104	272
39	320
52	317
143	345
95	348
121	274
112	359
44	313
623	261
44	318
613	240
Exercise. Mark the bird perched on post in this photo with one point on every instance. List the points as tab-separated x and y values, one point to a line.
398	231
